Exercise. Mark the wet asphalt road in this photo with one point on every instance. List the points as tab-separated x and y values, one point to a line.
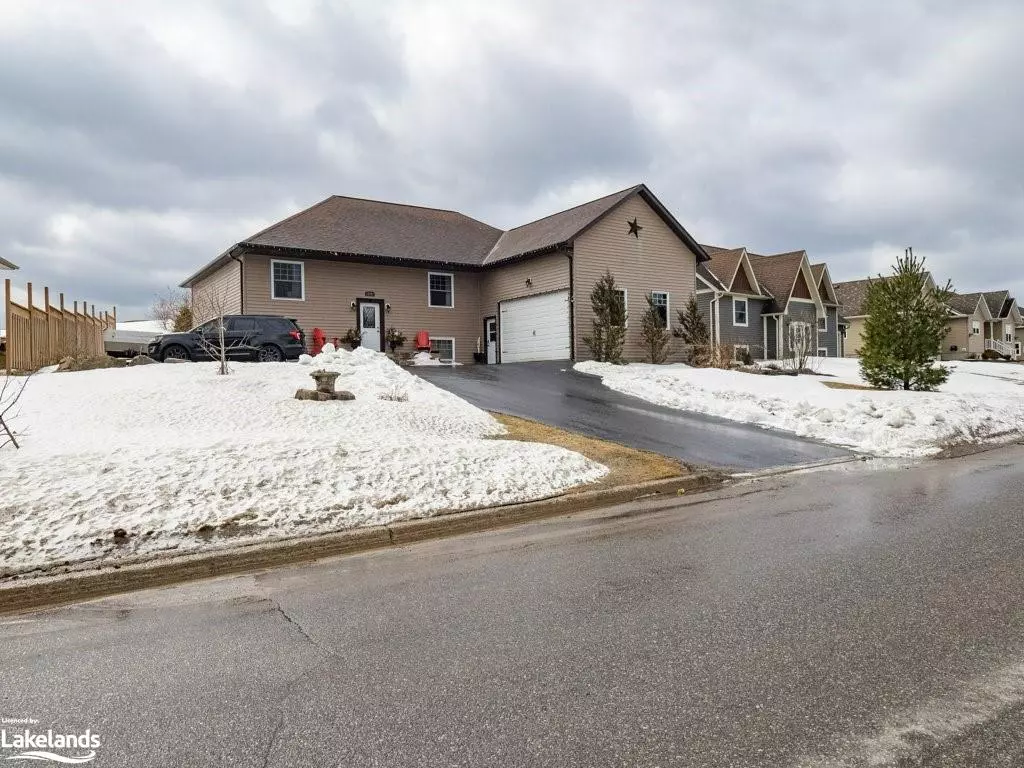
552	393
837	618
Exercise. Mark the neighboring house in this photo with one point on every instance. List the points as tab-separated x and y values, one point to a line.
969	316
731	300
977	321
522	294
1001	330
757	303
831	330
852	296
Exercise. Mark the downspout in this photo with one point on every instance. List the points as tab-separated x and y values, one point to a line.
241	282
718	319
572	309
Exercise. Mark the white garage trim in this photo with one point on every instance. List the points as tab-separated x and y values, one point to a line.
535	328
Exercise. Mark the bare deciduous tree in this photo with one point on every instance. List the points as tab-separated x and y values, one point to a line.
211	304
168	307
800	341
10	393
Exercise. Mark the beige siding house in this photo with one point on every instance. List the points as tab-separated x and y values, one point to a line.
657	261
968	317
978	322
522	294
852	296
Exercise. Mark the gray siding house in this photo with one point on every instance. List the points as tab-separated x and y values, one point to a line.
831	329
757	303
732	301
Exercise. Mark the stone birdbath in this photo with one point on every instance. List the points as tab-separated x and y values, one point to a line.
325	381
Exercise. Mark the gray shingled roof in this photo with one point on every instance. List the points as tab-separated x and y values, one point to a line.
998	303
349	225
852	294
817	270
554	230
5	264
777	274
371	229
964	303
723	264
708	275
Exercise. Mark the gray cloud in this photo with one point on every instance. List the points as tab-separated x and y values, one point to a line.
139	140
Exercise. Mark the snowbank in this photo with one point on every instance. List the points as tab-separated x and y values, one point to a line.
980	401
168	452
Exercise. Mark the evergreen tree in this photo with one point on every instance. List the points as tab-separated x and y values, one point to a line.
693	330
906	324
609	324
184	320
653	332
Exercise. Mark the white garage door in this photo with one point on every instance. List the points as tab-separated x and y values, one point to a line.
535	328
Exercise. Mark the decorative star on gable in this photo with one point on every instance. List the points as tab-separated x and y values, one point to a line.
634	229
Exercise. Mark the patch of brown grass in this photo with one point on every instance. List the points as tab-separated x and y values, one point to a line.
625	465
844	385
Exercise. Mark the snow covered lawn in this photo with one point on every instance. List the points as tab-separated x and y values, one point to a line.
183	459
979	401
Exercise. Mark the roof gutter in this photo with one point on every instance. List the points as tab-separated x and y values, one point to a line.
241	280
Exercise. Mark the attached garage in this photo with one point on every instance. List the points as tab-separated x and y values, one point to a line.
535	328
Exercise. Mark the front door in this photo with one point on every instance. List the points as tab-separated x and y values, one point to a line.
491	335
369	326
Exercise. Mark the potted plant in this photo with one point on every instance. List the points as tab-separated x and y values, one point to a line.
479	356
394	339
352	338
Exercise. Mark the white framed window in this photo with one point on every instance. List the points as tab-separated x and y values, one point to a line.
822	352
443	347
440	289
660	301
624	298
975	328
823	323
740	352
287	280
739	311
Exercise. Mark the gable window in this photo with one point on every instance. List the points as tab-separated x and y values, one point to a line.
623	299
660	301
739	311
975	328
823	324
440	289
443	347
287	280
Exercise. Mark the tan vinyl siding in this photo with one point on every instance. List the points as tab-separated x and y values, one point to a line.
657	261
854	337
959	336
218	293
331	287
546	274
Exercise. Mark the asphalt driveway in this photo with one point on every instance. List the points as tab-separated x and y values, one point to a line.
552	393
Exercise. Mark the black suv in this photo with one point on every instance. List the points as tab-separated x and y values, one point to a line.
268	338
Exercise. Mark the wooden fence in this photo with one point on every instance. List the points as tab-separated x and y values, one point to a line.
42	336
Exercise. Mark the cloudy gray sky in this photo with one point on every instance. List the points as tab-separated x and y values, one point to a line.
139	139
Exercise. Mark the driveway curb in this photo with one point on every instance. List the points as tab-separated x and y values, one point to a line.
70	588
